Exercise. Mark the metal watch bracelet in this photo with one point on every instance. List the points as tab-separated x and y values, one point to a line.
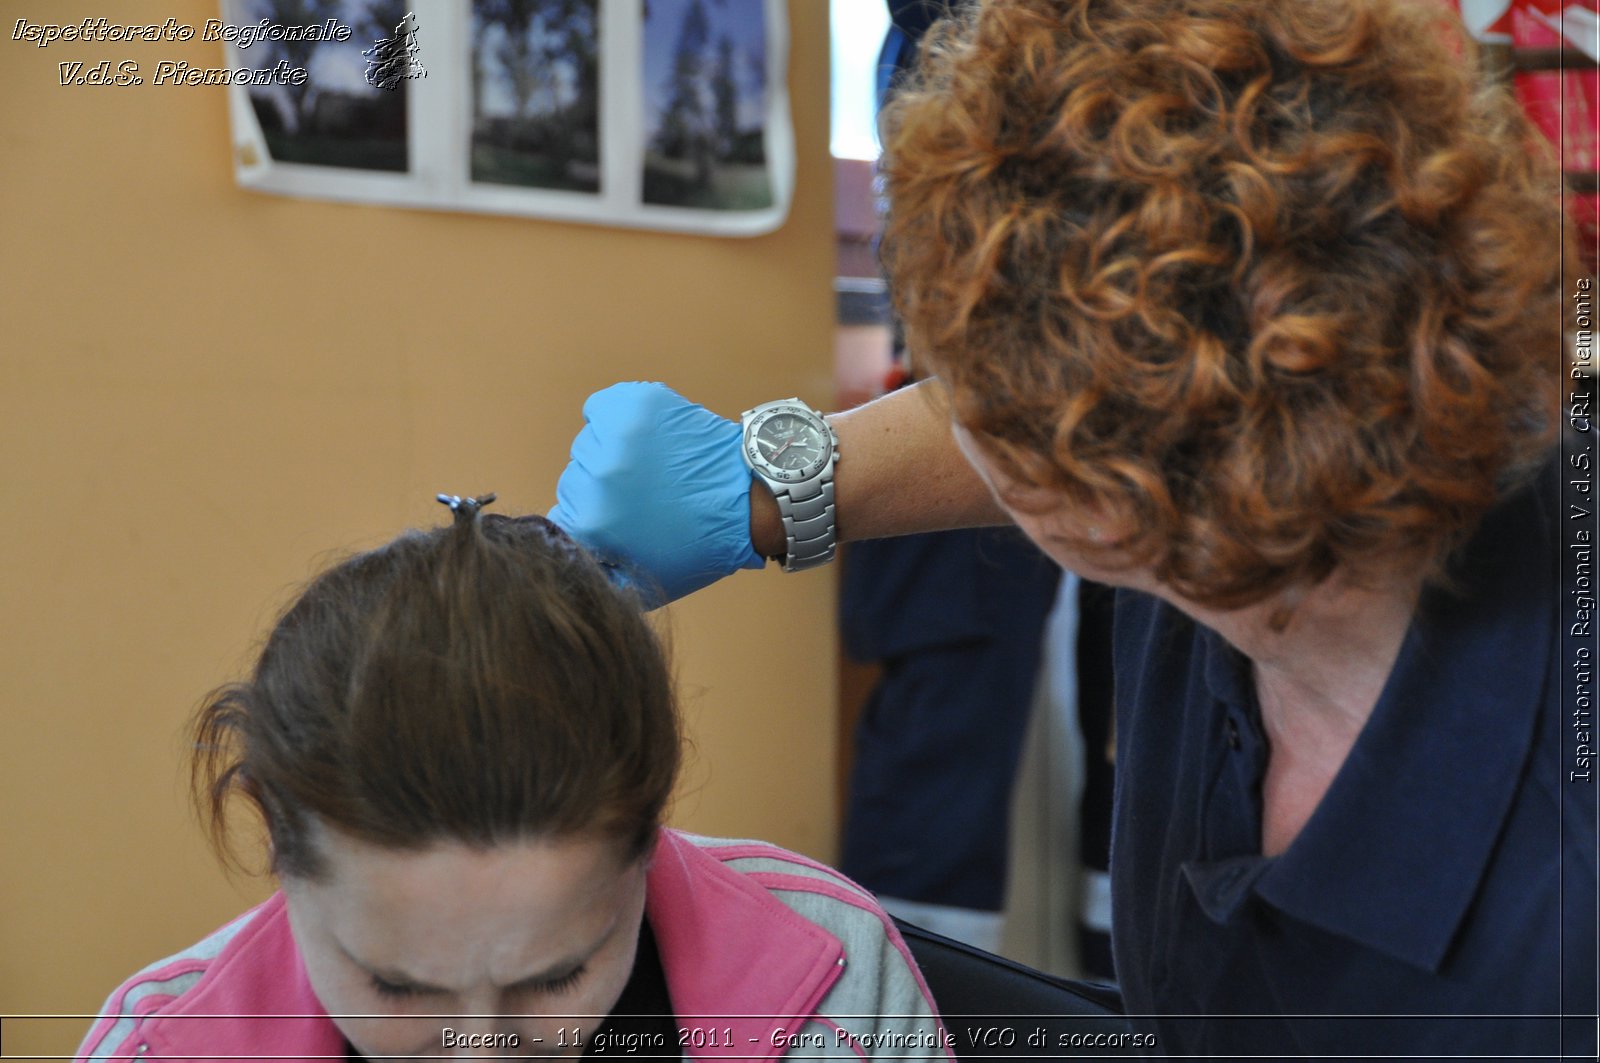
808	524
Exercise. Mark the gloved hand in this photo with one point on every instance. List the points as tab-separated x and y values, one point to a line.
657	487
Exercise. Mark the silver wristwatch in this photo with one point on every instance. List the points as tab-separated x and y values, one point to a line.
793	450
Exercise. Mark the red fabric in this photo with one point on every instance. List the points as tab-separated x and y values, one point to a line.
1521	7
1562	103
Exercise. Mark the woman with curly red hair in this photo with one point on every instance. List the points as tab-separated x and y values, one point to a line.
1255	309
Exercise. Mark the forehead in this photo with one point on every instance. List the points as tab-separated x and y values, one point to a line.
453	914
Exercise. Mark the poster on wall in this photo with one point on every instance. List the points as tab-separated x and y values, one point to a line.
662	114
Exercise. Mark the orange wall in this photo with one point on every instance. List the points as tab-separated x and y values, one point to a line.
204	392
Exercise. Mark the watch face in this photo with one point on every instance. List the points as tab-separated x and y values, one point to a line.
788	445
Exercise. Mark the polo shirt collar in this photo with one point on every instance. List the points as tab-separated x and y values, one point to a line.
1395	851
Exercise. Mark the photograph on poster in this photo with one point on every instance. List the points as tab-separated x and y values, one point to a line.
333	117
705	104
536	91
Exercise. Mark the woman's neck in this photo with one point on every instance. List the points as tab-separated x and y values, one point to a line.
1333	657
1317	681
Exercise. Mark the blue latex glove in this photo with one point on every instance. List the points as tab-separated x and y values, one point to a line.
657	487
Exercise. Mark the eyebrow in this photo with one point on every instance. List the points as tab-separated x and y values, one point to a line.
554	973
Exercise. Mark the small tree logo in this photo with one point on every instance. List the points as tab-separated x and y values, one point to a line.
394	59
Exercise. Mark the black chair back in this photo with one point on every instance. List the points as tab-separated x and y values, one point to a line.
993	1006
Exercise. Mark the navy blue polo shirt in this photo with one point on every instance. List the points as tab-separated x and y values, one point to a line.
1441	898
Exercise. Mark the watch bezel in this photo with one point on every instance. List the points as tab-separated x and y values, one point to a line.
752	451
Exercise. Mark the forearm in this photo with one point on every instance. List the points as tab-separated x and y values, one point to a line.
899	472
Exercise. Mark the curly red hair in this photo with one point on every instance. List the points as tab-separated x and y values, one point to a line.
1277	281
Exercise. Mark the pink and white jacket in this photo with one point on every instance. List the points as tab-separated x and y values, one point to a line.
779	954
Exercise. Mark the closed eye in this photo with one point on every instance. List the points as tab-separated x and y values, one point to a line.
553	986
394	990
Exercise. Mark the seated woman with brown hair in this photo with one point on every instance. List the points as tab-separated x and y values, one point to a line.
462	744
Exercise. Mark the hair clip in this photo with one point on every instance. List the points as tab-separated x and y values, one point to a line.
465	509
